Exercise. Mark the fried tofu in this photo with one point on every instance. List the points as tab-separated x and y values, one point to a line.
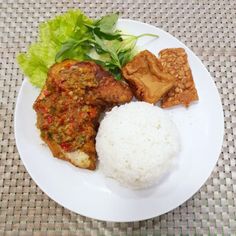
146	77
175	62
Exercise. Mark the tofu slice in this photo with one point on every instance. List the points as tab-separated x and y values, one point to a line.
147	78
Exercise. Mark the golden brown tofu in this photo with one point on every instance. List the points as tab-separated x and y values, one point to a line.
146	77
175	62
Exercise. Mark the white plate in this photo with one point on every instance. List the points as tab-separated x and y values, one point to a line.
90	193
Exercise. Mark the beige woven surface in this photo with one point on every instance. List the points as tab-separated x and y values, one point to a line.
209	29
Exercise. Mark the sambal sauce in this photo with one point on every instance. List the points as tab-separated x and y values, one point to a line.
70	104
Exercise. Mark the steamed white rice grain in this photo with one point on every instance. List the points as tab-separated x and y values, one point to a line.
136	144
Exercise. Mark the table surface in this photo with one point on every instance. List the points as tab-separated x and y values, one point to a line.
209	29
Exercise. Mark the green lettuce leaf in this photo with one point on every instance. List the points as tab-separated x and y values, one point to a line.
52	35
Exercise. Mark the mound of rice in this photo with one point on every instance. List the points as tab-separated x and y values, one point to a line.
136	144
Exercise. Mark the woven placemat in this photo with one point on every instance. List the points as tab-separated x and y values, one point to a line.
209	29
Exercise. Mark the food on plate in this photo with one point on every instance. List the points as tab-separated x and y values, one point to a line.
146	77
69	105
136	144
175	62
85	67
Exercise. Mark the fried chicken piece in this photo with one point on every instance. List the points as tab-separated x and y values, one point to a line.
69	106
95	85
146	77
175	62
109	92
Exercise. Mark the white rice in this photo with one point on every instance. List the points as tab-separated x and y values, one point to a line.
136	144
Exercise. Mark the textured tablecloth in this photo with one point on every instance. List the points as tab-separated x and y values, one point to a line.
209	29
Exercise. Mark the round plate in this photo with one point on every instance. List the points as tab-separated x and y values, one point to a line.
89	193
